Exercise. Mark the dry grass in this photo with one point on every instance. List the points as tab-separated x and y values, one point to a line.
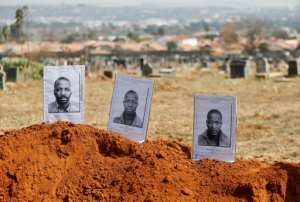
268	110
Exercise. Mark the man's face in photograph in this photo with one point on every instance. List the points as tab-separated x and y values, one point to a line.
62	91
214	123
130	103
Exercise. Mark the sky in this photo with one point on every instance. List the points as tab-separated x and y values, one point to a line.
164	3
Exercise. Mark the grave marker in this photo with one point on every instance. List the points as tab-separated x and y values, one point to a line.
108	73
262	66
130	108
12	74
167	71
2	80
294	67
240	68
145	68
216	116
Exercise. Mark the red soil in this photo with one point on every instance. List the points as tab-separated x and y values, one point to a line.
68	162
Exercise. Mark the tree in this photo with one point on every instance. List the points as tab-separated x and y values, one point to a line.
255	30
151	29
161	31
155	30
263	47
172	46
19	23
70	38
206	27
133	36
280	34
5	31
92	34
17	28
229	33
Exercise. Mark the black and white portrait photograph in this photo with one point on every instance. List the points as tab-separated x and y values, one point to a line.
213	134
64	93
129	115
130	108
62	90
214	127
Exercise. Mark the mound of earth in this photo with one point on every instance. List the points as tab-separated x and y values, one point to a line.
70	162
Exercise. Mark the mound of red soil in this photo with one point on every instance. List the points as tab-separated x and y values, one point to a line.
68	162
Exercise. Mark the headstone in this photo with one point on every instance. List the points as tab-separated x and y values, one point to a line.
145	68
108	73
294	67
87	70
262	65
12	74
142	62
204	64
167	71
224	66
2	80
240	68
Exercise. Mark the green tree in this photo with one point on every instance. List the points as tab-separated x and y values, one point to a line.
92	34
17	28
133	36
280	34
206	27
161	31
263	47
5	31
70	38
19	22
172	46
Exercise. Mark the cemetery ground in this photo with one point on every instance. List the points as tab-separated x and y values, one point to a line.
268	110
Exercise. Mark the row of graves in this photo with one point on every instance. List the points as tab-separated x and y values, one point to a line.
143	68
258	67
214	135
236	67
147	63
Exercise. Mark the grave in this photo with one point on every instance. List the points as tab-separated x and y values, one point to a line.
12	74
294	67
87	70
204	64
240	68
108	73
167	71
2	80
145	68
262	66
